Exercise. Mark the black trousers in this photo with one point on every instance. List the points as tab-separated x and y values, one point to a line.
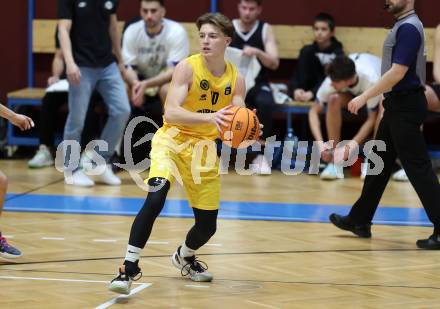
52	102
400	130
260	97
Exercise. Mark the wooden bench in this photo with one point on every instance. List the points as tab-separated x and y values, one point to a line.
290	40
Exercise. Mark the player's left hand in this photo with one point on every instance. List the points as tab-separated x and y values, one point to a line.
22	121
261	125
356	104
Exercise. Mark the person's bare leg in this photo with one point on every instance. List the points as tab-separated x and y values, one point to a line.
6	250
3	189
433	100
335	104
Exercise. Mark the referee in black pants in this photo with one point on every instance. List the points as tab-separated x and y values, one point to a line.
402	82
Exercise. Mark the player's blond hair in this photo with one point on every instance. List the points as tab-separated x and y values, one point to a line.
219	20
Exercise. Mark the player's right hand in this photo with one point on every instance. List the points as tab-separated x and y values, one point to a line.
222	117
261	125
22	121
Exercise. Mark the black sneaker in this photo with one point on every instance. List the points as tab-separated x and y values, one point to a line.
122	283
345	223
189	266
432	243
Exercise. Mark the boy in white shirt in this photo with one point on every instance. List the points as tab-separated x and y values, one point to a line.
151	48
348	76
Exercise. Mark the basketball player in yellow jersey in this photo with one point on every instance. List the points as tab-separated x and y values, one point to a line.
202	90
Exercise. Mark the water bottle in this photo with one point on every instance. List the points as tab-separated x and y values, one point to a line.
291	143
291	139
290	136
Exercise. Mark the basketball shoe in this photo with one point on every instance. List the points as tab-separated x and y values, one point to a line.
122	283
7	251
191	267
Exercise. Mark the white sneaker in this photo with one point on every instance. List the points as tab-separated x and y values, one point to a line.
190	266
108	177
332	172
400	175
122	283
85	160
80	179
260	165
364	169
42	158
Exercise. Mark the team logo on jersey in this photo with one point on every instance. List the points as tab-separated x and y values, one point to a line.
82	4
228	89
214	97
203	97
204	84
108	5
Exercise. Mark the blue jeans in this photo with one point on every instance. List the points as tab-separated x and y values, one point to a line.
108	82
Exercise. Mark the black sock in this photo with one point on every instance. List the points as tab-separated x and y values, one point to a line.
132	268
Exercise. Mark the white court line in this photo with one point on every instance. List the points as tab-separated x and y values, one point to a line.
52	238
213	245
197	286
51	279
262	305
59	279
104	240
152	242
105	305
8	236
115	300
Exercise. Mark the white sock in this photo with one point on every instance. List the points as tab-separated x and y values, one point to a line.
133	253
186	252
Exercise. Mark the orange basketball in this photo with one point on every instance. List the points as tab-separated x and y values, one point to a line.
243	130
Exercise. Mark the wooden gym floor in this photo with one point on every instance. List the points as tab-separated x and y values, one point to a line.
73	240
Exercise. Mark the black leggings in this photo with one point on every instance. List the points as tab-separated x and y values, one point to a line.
203	229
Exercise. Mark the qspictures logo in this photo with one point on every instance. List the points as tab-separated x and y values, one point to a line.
205	155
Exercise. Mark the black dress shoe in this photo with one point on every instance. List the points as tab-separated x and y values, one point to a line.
432	243
345	223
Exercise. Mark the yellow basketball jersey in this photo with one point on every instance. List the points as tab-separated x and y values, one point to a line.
207	94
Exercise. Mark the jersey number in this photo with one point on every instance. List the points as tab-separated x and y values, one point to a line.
214	97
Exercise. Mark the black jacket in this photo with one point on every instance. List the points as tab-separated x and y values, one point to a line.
310	68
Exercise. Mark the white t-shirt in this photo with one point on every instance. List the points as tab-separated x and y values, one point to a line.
150	55
368	71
